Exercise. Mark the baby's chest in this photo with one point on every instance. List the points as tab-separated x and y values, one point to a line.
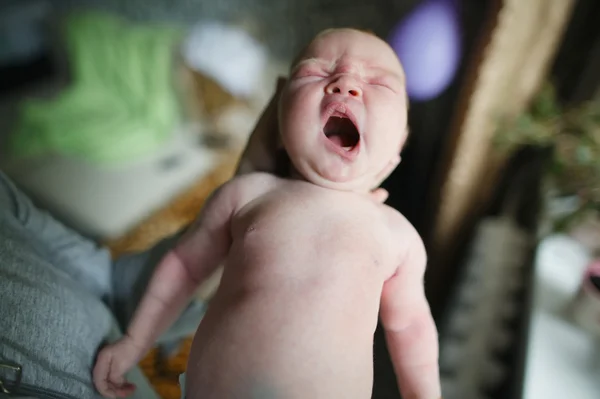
329	233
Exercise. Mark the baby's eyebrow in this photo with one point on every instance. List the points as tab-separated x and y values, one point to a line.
344	68
305	61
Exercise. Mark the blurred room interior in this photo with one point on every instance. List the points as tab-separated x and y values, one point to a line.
122	116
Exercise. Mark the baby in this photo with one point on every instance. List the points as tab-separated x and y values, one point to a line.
310	262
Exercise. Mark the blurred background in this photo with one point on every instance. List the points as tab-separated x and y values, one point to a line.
122	116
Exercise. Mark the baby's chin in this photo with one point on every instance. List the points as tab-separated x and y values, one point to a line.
355	184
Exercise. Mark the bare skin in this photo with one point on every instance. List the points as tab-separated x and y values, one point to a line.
310	262
282	330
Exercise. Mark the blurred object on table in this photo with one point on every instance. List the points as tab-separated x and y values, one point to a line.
586	306
163	374
118	143
573	175
121	103
226	78
562	357
106	201
226	54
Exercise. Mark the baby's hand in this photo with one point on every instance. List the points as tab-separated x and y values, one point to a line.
111	365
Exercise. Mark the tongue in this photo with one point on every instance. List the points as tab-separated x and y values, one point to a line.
341	132
339	141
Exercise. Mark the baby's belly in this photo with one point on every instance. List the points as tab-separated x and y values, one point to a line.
296	311
288	342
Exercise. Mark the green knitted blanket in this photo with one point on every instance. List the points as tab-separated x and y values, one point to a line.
121	103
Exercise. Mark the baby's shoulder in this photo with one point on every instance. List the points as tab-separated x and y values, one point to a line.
249	186
255	179
399	224
406	242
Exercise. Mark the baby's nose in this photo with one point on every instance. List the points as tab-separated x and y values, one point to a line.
345	85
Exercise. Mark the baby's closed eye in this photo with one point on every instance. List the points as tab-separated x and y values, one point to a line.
310	73
384	84
310	68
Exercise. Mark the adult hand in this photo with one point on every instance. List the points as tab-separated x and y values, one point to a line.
261	151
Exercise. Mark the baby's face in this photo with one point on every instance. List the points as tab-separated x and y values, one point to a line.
343	112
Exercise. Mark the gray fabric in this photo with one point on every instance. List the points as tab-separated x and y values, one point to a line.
61	297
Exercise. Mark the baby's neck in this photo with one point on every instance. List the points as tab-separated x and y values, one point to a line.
285	169
295	175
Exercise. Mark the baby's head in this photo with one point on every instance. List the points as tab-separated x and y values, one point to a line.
343	111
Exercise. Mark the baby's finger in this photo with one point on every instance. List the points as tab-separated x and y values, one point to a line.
124	390
380	195
100	372
106	390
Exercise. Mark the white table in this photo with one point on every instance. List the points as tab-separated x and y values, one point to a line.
563	361
104	201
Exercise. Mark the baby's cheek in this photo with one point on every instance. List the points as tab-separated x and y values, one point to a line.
292	106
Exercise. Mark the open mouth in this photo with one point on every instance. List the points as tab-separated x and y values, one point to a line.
341	131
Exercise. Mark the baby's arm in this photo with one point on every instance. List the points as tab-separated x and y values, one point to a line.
410	331
174	282
199	252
